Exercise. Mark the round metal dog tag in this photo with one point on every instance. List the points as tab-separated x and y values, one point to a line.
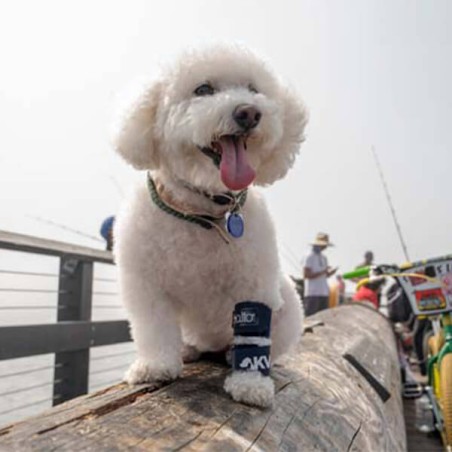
235	225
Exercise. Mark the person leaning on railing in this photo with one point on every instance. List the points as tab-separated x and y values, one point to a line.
106	231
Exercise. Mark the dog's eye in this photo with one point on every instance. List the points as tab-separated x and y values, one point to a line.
253	89
206	89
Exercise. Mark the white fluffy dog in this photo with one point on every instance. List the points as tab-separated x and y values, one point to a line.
212	125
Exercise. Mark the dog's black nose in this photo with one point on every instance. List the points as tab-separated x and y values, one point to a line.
247	116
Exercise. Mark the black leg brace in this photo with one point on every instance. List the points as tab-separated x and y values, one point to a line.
251	351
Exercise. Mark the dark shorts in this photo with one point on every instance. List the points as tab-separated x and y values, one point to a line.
315	304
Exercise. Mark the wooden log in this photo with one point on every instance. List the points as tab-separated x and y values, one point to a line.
324	401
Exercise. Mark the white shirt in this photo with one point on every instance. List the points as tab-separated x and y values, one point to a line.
316	287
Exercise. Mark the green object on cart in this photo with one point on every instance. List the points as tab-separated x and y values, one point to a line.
360	272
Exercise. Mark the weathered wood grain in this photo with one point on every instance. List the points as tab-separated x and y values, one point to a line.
322	403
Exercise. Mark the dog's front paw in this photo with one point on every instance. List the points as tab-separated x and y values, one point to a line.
143	372
251	388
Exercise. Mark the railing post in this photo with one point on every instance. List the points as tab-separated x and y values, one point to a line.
74	303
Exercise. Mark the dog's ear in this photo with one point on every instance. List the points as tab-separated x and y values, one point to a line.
281	159
136	141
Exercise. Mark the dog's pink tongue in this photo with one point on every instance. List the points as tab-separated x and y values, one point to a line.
236	173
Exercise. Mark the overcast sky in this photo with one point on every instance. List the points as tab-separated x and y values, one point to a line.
371	72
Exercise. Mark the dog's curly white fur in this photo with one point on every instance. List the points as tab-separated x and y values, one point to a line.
178	281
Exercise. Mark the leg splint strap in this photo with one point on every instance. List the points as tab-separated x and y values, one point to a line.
251	350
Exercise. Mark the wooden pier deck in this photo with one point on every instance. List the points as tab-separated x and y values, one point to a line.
418	441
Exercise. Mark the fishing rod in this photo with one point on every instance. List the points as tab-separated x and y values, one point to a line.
117	185
66	228
290	256
388	198
285	257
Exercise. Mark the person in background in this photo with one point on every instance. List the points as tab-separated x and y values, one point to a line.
106	231
368	259
370	292
316	272
341	287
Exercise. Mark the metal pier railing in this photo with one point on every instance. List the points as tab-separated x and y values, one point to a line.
74	333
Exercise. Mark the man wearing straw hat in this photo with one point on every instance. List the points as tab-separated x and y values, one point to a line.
316	273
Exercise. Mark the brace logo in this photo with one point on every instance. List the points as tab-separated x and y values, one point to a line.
246	317
255	363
